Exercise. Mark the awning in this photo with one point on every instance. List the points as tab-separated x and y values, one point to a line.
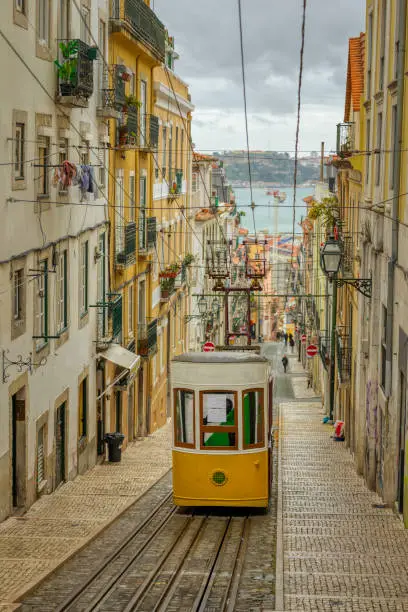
120	356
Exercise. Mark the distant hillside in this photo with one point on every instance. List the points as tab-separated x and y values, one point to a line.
268	167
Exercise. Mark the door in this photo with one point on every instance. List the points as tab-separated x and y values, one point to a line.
131	411
168	357
100	412
118	411
18	449
140	398
143	99
402	435
60	445
270	440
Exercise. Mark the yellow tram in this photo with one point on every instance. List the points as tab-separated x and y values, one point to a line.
222	419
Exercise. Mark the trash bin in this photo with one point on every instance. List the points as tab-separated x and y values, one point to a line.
114	442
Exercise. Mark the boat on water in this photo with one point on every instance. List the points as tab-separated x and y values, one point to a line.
280	196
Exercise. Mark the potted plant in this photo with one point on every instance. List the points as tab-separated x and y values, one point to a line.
188	259
170	272
67	69
166	287
131	102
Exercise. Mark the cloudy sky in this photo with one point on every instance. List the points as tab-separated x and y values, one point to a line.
207	39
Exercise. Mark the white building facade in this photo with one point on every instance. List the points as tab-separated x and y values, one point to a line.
54	244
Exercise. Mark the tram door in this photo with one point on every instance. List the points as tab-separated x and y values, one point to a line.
270	441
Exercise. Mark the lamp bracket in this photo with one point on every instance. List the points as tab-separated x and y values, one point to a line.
363	285
19	362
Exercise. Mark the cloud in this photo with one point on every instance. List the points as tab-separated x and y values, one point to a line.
207	38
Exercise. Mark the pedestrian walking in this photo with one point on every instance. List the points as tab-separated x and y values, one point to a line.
285	335
309	380
285	362
292	344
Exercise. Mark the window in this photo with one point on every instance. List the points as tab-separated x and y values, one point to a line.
62	297
83	278
131	311
18	305
19	146
184	418
368	156
83	409
253	418
85	24
84	153
142	213
384	347
43	186
20	6
394	144
40	456
62	156
182	150
42	305
382	47
194	182
161	348
176	147
369	52
43	25
164	151
396	41
102	165
119	214
218	417
378	151
132	204
64	19
171	153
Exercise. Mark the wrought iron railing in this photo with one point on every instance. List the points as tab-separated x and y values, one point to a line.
112	94
127	254
138	131
108	320
151	232
324	348
115	312
75	76
175	181
348	253
344	353
345	139
147	338
127	131
139	19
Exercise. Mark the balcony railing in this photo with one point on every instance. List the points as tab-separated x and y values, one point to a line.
108	321
345	139
344	353
75	72
181	277
112	97
151	232
324	348
147	339
348	253
138	131
175	181
126	244
138	18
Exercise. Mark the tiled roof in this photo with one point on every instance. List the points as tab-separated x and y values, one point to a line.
355	75
197	157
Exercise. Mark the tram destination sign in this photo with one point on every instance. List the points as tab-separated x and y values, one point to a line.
208	347
312	350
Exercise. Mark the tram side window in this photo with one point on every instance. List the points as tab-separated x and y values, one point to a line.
219	419
253	418
184	417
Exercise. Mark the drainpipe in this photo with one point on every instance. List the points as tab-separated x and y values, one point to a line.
395	202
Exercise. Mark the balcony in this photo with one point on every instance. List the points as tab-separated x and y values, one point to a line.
137	19
167	288
112	97
138	131
125	242
348	255
175	181
75	72
344	353
147	339
108	321
345	139
181	277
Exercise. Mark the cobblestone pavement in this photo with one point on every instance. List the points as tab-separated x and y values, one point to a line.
338	548
57	525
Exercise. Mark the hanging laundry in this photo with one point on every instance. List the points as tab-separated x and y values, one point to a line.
85	181
92	181
68	173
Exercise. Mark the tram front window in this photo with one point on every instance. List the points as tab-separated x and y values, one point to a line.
253	418
184	418
218	419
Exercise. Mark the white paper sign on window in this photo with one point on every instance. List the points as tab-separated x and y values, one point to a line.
215	407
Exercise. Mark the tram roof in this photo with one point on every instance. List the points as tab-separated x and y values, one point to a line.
221	357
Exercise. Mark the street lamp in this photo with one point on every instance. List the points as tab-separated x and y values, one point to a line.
202	305
331	256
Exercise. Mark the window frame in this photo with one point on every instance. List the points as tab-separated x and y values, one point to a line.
131	311
20	6
41	315
132	196
43	21
378	160
43	179
62	291
84	278
19	151
262	444
83	409
18	295
219	428
183	444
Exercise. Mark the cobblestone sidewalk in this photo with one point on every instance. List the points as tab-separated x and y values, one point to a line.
338	547
57	525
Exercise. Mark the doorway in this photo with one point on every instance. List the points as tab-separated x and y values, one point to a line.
131	411
118	411
100	411
60	445
18	449
140	398
402	436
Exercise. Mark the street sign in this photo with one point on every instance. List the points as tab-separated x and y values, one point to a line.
208	347
312	350
303	338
